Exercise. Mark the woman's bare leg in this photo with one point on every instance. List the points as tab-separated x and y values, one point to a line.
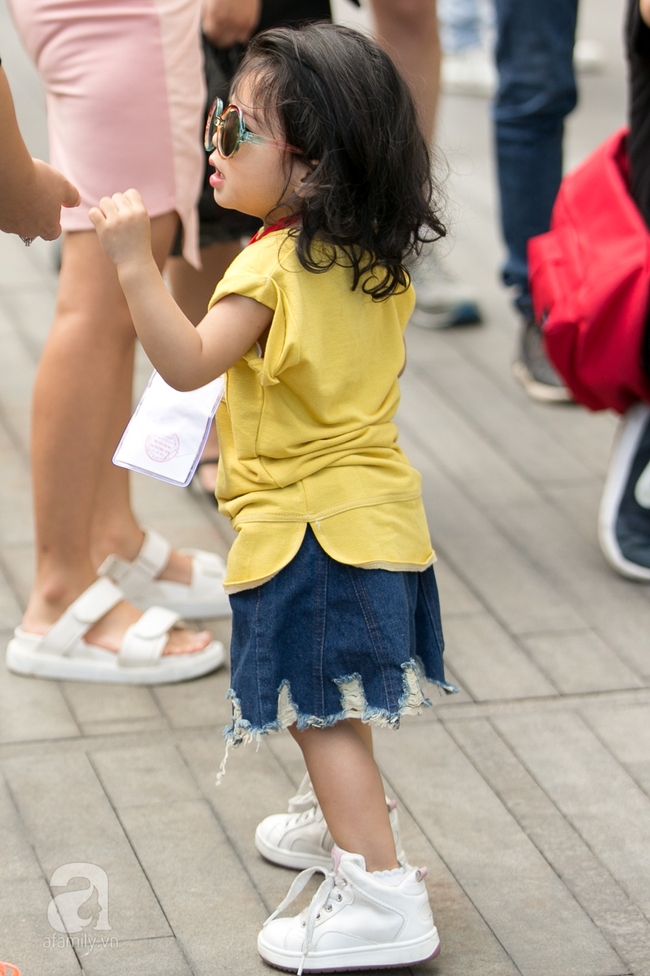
408	29
349	788
192	290
81	398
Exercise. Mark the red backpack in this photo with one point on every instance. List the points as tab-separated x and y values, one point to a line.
590	282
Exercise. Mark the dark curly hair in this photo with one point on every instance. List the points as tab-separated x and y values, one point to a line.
369	199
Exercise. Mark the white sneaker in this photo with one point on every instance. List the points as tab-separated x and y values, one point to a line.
469	72
356	920
440	301
300	838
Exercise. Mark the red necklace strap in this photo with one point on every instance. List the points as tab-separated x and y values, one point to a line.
278	225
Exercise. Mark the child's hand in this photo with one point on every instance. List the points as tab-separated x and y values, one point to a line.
123	228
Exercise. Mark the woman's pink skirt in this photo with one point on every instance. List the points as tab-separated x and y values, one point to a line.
125	100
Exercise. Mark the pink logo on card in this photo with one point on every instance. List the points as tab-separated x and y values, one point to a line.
162	447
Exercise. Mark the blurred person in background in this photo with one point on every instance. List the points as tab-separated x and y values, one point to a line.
624	517
118	79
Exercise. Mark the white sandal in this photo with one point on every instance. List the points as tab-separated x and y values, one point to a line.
203	597
63	653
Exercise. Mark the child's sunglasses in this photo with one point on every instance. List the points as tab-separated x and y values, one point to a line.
226	129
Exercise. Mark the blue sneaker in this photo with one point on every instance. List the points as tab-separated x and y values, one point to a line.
440	301
624	516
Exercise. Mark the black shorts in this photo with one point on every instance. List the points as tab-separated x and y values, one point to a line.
217	225
637	45
637	42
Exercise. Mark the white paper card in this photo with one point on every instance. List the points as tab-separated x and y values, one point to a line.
167	433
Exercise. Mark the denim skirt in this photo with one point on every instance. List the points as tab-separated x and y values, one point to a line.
323	641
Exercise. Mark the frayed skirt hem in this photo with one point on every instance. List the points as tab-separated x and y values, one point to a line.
354	705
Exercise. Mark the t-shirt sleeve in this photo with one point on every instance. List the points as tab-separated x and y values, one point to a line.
257	273
249	276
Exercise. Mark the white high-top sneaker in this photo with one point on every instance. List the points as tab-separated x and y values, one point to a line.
300	839
356	920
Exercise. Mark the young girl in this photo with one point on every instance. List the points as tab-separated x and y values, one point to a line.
335	607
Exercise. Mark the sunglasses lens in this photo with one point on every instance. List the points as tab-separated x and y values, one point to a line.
211	125
229	133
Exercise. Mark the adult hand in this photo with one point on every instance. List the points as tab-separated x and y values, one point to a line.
123	227
31	192
42	213
32	205
227	22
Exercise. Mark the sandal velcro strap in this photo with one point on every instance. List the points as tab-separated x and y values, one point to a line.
145	640
208	563
147	566
93	604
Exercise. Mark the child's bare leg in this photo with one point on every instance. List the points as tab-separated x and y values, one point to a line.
365	731
350	791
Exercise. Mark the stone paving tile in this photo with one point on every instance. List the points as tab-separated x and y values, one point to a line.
456	444
144	776
69	820
580	661
144	957
10	611
509	426
507	583
580	503
484	848
17	860
604	900
15	494
255	785
24	900
26	938
31	310
196	703
617	611
16	378
597	796
211	906
98	705
625	731
488	662
31	709
18	569
455	596
449	707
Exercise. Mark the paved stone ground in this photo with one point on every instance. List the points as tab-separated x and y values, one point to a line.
528	795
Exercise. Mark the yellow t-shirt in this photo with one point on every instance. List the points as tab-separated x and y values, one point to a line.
306	431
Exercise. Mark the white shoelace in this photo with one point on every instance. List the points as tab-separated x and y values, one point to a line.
319	902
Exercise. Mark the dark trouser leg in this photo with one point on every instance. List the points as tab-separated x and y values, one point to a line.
536	92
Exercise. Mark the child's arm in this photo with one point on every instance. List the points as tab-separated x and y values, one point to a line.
186	357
